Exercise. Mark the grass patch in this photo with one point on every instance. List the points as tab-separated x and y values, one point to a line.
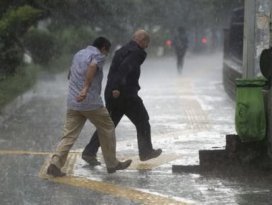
12	86
26	76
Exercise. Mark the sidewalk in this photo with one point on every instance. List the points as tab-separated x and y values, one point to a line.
188	112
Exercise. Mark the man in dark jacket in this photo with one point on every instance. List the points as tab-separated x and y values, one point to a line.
121	96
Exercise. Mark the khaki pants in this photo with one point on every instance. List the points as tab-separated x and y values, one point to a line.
74	123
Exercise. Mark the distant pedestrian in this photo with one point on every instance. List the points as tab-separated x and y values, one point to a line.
180	44
85	103
121	96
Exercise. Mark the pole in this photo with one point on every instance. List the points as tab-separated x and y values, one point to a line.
256	35
249	39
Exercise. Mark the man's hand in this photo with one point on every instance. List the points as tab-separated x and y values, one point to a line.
82	95
115	93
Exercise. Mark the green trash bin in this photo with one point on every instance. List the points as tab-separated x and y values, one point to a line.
250	119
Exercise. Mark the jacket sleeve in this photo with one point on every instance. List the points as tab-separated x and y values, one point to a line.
132	61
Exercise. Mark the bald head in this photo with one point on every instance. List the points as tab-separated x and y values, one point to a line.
142	38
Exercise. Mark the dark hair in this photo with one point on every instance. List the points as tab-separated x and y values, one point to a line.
101	42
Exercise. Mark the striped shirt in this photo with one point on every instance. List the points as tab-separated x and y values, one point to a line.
78	72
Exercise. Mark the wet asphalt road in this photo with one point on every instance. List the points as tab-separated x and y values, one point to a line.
188	112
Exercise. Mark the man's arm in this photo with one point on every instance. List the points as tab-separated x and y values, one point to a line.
92	68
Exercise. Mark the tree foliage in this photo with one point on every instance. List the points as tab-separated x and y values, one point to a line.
116	19
42	45
122	17
13	24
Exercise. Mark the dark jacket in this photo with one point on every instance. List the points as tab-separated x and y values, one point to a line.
125	70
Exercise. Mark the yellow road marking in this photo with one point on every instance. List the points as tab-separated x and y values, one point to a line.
23	152
117	191
103	187
71	160
106	188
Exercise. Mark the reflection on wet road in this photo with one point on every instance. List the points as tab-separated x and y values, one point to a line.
188	112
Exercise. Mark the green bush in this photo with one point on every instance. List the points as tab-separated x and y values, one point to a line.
13	24
42	45
16	22
14	85
10	58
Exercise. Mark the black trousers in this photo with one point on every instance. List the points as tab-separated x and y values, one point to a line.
134	109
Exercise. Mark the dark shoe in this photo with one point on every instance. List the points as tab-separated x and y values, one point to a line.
54	171
91	160
153	154
120	166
